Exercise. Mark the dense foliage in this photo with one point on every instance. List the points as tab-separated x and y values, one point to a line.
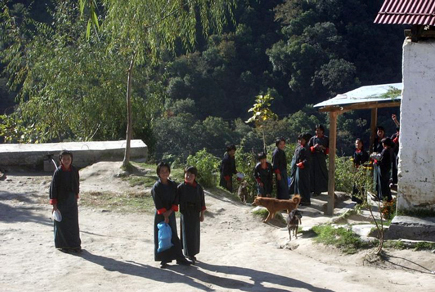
191	91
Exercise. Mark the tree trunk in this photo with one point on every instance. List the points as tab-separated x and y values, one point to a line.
128	133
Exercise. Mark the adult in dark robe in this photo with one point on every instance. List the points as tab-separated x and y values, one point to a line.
192	208
319	147
228	168
383	167
300	171
64	192
263	174
360	157
279	166
165	196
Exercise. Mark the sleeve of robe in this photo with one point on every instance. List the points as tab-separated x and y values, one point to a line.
157	201
54	187
202	198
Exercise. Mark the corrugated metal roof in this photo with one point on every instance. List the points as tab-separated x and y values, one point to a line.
419	12
373	93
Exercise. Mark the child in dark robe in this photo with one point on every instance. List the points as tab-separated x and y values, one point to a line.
360	156
300	172
383	167
319	147
279	166
377	143
228	168
264	176
164	193
64	193
192	209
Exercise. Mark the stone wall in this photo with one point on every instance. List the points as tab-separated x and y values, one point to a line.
417	127
85	153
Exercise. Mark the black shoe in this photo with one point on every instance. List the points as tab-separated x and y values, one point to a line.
163	265
183	262
77	250
64	249
193	260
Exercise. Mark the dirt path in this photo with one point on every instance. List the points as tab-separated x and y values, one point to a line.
238	252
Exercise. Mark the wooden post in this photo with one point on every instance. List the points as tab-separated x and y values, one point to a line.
373	125
332	150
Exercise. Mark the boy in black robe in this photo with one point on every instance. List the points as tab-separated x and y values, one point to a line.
383	166
228	168
165	198
192	209
64	192
319	147
279	166
360	156
263	175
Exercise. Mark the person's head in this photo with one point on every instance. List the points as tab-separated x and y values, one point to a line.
66	158
386	142
302	139
359	145
280	143
320	130
163	170
262	157
190	174
380	131
231	150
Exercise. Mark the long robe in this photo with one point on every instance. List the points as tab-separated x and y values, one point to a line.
264	176
382	173
165	198
300	176
64	191
279	166
192	202
227	169
318	169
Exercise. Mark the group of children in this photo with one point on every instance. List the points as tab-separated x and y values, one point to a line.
188	197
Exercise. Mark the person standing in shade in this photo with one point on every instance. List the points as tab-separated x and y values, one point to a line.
377	144
395	140
300	171
228	168
279	166
165	196
264	176
192	209
64	193
383	166
360	156
319	147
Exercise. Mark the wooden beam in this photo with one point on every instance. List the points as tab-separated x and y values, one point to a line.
359	106
373	125
332	151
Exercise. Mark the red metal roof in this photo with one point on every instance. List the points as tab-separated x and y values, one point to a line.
419	12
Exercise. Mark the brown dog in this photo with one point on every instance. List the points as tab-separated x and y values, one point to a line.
274	205
243	192
293	221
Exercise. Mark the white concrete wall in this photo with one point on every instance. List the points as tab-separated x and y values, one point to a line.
417	127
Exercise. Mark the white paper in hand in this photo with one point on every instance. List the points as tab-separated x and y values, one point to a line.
57	216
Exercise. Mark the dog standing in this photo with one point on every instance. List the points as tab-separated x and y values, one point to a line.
293	221
243	191
274	205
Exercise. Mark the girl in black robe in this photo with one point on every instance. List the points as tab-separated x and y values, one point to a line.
319	146
165	198
300	171
360	156
264	176
64	192
192	209
279	166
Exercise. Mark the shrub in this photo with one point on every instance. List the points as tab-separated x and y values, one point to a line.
207	165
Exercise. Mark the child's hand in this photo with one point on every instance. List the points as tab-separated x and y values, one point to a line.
201	217
278	176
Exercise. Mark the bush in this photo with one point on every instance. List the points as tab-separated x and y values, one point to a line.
344	174
207	165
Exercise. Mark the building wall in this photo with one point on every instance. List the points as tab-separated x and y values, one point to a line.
417	127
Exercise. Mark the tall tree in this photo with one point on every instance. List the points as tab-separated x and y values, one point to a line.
143	30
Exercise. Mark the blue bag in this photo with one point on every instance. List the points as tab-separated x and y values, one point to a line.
164	236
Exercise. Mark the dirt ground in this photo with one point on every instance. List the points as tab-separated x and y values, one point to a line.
238	251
